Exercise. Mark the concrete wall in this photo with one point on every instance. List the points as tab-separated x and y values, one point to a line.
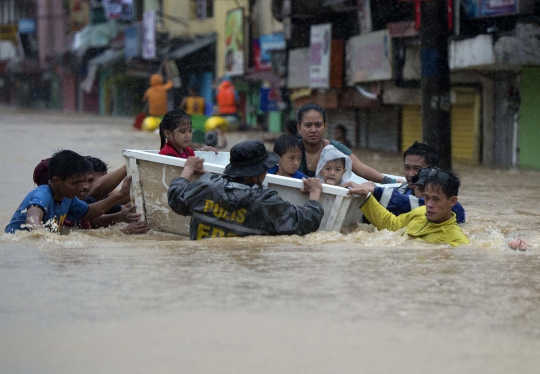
180	9
264	22
521	49
473	52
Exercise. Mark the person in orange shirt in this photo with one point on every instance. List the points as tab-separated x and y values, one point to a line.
227	102
227	98
156	95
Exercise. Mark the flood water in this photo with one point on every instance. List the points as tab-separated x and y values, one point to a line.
373	302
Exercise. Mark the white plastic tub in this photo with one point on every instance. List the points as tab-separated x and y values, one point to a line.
152	174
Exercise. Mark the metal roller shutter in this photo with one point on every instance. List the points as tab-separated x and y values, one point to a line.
411	126
379	127
383	128
465	129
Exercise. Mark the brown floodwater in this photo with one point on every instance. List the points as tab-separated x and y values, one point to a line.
375	302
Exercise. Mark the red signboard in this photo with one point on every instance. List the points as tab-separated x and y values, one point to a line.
417	5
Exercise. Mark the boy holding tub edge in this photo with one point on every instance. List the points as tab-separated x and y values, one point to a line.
49	205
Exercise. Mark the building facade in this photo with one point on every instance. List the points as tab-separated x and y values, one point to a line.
361	60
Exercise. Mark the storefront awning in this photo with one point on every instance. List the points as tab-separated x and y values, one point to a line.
107	58
194	46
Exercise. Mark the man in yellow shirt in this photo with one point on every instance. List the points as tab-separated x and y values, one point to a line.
193	103
435	222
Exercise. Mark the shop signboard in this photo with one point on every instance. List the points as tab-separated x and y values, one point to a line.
298	69
269	98
8	32
369	57
201	9
494	8
234	42
118	9
27	26
263	47
149	38
320	45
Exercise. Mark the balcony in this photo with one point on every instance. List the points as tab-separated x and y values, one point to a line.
510	52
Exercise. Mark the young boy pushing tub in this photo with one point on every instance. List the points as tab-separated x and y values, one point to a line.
47	206
435	222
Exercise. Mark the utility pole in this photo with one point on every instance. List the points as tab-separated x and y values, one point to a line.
434	33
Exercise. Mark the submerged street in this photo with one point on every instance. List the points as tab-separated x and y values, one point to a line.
376	302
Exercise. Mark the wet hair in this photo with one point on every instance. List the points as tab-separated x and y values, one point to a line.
336	160
65	163
96	164
172	120
285	143
423	150
310	106
343	129
446	181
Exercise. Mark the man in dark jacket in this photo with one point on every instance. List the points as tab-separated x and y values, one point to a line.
237	204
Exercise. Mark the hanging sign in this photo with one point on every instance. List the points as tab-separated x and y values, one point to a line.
149	39
119	9
320	43
234	42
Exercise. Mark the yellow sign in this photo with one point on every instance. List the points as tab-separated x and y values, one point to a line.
8	32
302	92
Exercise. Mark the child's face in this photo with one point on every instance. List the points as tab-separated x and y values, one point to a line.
70	187
332	172
438	205
180	137
290	162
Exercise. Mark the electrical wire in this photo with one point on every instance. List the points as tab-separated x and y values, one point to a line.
182	21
